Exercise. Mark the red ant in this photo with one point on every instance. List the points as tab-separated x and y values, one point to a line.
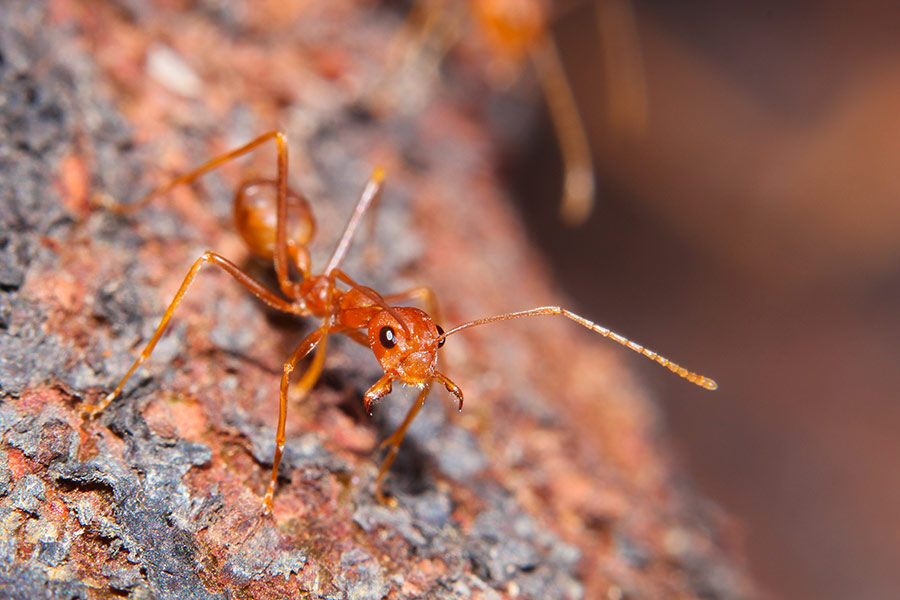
405	340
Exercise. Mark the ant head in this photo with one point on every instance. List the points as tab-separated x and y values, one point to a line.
405	342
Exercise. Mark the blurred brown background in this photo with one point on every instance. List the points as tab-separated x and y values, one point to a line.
753	233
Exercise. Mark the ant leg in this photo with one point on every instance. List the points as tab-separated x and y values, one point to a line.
422	293
318	337
626	81
248	282
429	31
127	209
578	188
280	257
394	441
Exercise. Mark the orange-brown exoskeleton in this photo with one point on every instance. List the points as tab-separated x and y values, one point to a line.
404	340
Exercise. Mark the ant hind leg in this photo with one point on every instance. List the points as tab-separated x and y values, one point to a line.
281	251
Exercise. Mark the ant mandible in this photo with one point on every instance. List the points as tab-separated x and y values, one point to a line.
405	340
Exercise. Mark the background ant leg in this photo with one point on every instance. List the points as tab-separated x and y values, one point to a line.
428	33
248	282
318	337
422	293
578	166
624	66
395	439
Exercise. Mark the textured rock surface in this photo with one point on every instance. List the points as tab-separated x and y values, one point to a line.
539	490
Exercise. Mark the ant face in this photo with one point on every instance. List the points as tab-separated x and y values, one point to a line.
406	350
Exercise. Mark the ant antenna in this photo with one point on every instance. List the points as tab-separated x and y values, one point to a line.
704	382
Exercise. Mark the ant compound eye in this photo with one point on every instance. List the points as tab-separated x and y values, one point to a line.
440	332
387	337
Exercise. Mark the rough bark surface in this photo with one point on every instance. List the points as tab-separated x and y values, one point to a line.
552	484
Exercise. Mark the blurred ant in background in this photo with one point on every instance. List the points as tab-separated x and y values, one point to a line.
517	32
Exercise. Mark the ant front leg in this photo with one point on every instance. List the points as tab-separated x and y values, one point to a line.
248	282
393	442
319	338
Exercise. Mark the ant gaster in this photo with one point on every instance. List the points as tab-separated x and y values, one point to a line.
405	340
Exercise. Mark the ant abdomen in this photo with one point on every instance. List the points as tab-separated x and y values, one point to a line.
255	217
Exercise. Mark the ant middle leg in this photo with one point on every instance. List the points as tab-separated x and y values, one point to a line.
393	442
256	288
